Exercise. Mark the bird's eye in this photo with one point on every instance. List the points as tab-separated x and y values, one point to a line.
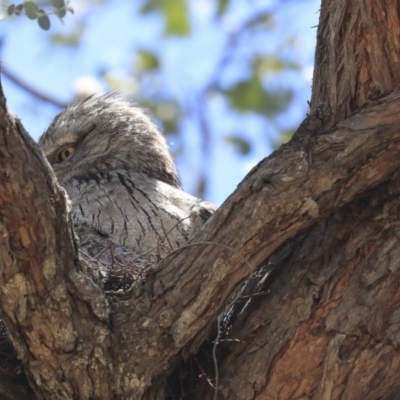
65	153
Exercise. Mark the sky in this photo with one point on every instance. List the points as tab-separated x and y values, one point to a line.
114	31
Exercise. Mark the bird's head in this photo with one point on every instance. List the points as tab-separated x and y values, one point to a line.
106	133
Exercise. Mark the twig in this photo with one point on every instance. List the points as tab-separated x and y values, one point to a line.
214	354
158	249
32	90
166	235
204	374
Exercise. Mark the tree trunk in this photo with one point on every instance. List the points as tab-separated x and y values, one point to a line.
329	325
320	215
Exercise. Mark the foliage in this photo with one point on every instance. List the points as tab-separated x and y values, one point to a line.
242	95
243	81
33	11
174	12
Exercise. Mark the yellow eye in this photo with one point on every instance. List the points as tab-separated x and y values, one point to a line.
66	153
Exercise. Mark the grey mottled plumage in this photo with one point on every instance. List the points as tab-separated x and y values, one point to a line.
120	177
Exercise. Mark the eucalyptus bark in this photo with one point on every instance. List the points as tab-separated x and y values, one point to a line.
328	326
322	211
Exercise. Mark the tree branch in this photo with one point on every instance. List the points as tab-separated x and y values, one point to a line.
356	54
58	318
281	197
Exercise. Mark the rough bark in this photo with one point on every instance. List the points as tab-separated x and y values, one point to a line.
192	286
357	55
323	210
327	327
56	317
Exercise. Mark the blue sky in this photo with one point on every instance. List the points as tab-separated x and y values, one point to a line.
114	31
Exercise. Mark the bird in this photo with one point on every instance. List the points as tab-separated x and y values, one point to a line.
121	180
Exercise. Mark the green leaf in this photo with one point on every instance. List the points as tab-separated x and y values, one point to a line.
10	9
59	8
149	6
168	113
250	95
263	20
44	21
125	85
176	17
70	40
18	9
31	9
201	186
175	14
147	61
240	144
222	7
272	65
59	12
58	3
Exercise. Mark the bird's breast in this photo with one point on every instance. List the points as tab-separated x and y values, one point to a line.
140	214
